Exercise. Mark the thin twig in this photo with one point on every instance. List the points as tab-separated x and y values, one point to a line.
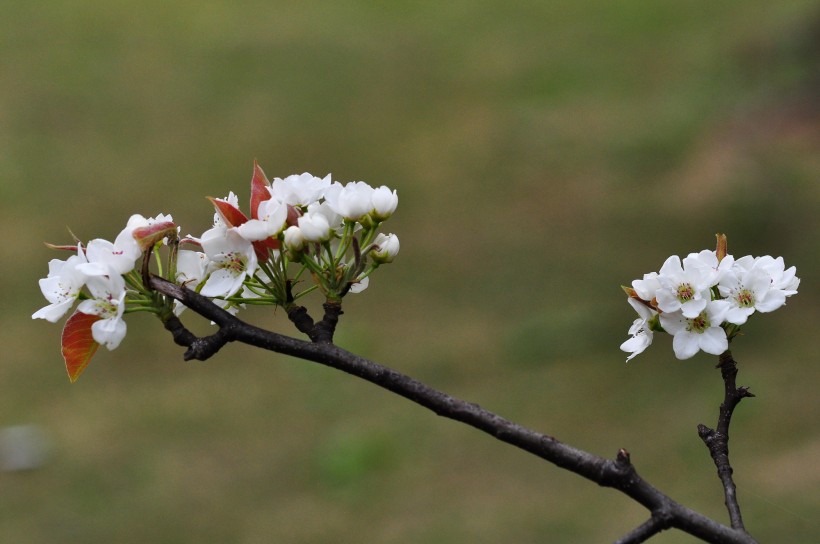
618	473
717	440
653	526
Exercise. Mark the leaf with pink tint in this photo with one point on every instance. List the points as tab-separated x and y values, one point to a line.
228	212
259	189
146	237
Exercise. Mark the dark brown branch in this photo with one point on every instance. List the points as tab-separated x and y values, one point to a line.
321	332
618	473
717	440
653	526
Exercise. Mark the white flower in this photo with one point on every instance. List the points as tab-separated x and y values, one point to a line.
647	287
782	278
314	227
707	261
702	332
640	332
294	239
352	201
120	256
299	190
272	215
684	288
109	304
231	259
62	286
384	203
105	257
385	248
756	285
191	267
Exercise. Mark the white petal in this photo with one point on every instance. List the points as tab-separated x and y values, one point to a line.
738	315
222	283
254	230
685	345
673	322
360	285
53	312
109	332
773	300
693	308
713	340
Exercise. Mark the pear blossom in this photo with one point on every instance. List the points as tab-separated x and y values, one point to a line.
62	286
684	288
640	332
702	332
231	259
709	264
105	258
385	248
647	287
299	189
384	203
753	288
352	201
272	217
191	266
108	302
314	227
294	239
781	278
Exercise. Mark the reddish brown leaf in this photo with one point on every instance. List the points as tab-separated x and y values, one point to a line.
78	344
259	189
263	248
146	237
228	212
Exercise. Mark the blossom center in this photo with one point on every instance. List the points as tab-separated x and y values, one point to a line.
698	324
234	263
745	298
685	292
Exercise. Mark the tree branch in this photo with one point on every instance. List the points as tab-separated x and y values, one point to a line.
618	474
653	526
717	440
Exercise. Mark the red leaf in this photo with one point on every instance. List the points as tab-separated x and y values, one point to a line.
78	344
146	237
259	190
263	248
229	213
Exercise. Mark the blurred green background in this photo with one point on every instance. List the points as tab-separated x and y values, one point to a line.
544	153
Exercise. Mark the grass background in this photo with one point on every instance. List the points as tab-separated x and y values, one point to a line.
544	154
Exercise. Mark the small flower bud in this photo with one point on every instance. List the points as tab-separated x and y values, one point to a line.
314	227
294	239
385	202
385	248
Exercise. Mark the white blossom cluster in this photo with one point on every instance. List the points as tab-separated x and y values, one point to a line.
303	233
702	300
104	269
302	219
